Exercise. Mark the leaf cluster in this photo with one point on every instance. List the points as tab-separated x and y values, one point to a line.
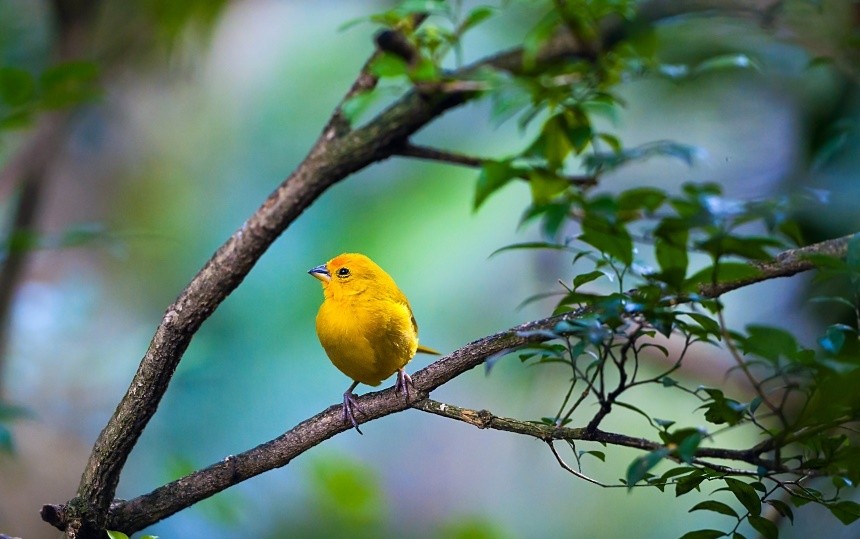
24	94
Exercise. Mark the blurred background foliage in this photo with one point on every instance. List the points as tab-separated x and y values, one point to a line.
184	115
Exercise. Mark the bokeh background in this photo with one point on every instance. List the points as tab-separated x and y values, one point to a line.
198	121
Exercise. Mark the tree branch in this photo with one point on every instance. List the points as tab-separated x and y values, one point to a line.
337	153
133	515
785	264
29	172
444	156
164	501
484	419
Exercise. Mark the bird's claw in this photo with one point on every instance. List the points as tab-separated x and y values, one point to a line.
350	404
404	381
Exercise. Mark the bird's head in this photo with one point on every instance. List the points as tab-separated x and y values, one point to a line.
351	273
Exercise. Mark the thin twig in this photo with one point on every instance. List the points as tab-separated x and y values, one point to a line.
454	158
578	474
442	156
736	355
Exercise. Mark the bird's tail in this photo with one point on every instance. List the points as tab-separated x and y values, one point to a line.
425	350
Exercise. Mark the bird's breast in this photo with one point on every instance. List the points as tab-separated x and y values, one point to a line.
367	340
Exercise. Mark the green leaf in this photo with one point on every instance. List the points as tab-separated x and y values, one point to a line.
389	65
724	271
688	483
423	71
724	62
647	198
687	448
832	141
834	339
584	278
17	86
69	84
613	141
494	175
716	507
599	335
357	104
643	464
722	410
749	247
475	17
782	508
554	215
538	36
846	511
663	423
833	299
596	454
769	342
531	245
603	106
553	143
670	250
608	237
678	436
16	120
412	7
545	185
703	534
745	494
840	481
766	528
708	324
116	535
580	136
20	241
677	471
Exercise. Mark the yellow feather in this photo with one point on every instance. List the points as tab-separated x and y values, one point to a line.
365	323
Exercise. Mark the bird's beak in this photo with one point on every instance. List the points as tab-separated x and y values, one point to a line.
321	273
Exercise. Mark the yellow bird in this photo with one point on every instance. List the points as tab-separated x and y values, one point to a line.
365	325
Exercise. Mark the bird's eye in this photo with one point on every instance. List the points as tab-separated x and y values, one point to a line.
343	272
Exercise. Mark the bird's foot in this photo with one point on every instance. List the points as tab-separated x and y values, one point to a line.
404	382
349	406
